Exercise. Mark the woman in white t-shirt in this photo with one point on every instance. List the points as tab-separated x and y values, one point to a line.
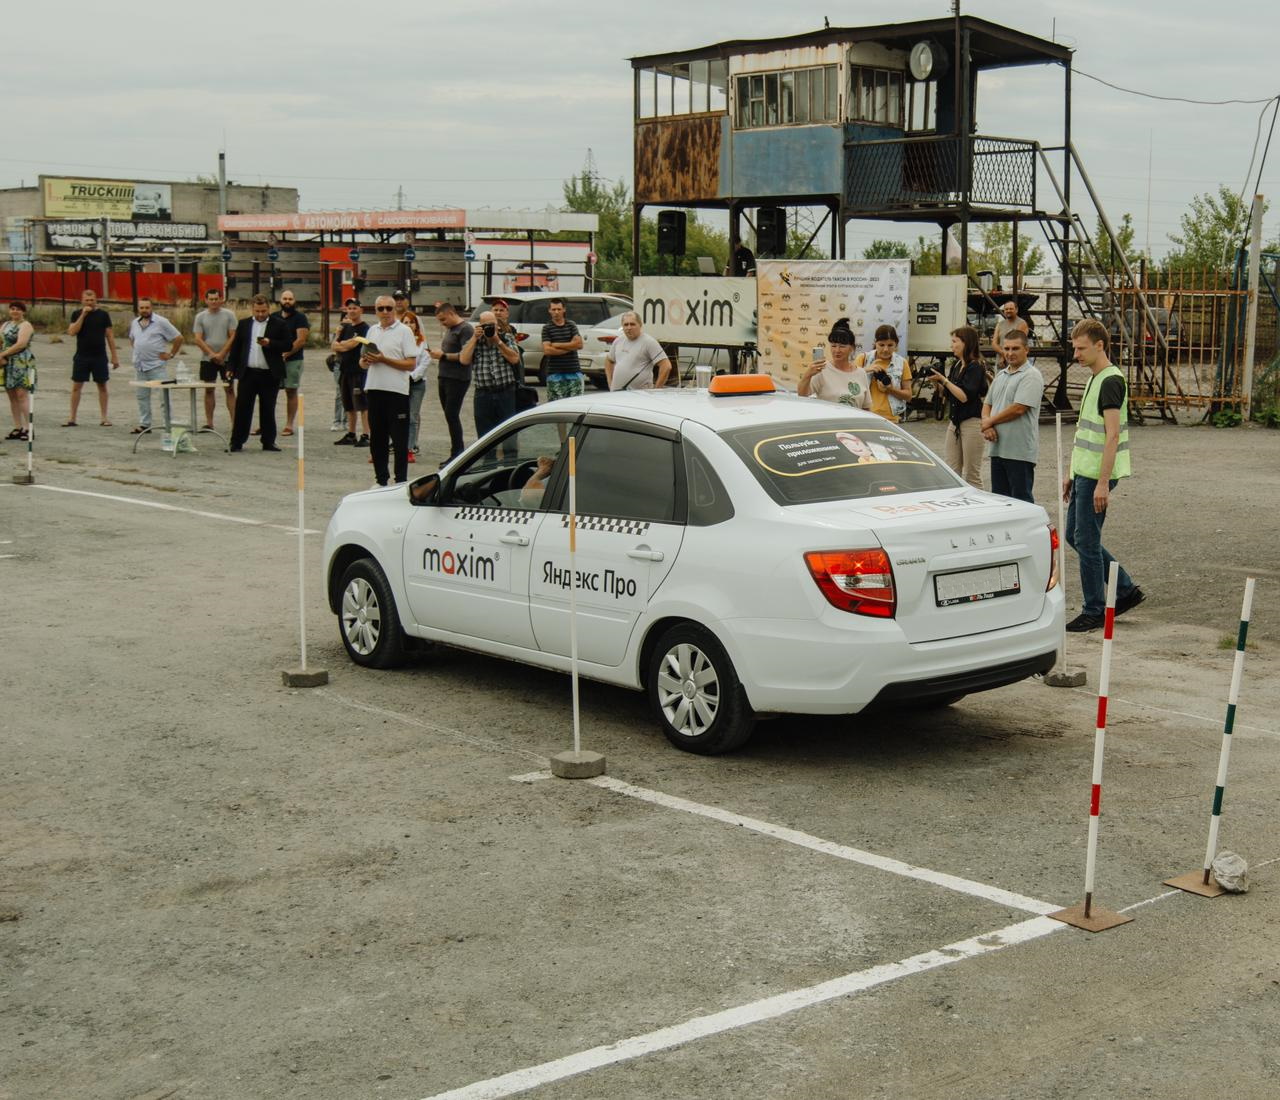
838	379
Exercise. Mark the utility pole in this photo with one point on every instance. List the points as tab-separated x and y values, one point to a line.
400	197
222	208
1251	317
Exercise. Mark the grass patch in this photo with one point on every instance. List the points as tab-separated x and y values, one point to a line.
1228	641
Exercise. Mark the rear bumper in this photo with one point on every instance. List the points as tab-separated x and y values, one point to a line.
965	683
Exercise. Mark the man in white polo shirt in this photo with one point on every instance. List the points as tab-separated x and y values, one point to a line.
633	356
388	360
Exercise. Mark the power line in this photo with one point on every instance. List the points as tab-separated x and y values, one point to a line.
1171	98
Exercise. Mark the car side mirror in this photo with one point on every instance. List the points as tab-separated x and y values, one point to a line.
425	490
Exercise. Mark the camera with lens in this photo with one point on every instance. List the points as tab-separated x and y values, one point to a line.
490	329
883	377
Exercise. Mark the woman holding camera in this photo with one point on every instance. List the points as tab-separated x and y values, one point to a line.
966	385
890	375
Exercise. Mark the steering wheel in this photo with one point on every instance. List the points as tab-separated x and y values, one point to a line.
521	474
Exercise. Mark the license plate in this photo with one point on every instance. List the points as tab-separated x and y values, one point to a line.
976	584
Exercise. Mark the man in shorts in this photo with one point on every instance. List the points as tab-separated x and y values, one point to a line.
95	344
214	328
301	329
351	376
560	343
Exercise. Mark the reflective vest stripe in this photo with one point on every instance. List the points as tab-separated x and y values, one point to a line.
1091	433
1090	445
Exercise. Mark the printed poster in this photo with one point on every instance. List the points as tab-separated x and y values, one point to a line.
799	300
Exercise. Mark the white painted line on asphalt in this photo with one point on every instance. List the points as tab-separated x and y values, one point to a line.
1180	713
433	727
702	1027
8	555
981	890
176	508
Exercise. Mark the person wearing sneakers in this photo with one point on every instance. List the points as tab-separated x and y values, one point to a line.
95	341
346	345
1099	459
213	330
301	329
388	357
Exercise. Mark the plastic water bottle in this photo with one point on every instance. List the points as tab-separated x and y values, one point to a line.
181	372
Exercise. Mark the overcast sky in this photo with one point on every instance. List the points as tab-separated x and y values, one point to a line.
494	104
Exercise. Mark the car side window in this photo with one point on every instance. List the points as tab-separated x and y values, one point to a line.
513	472
584	312
626	475
617	309
709	501
535	313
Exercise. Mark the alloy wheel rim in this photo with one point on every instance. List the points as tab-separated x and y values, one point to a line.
688	690
361	616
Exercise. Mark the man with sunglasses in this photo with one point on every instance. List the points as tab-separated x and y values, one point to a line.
388	359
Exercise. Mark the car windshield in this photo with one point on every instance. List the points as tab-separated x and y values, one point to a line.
817	462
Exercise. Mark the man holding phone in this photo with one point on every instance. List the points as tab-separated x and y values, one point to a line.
257	357
388	358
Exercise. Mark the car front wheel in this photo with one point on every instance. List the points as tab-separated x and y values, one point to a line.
367	618
695	693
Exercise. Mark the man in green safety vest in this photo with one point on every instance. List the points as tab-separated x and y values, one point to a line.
1099	458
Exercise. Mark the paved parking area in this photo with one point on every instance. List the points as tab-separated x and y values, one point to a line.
219	887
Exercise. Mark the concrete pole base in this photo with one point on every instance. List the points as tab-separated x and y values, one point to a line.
1068	677
577	765
305	678
24	478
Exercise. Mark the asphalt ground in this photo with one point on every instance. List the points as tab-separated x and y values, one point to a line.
215	886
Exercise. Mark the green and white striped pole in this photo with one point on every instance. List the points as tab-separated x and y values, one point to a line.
1199	883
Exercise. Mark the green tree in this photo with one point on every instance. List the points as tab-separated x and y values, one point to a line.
611	203
926	256
991	249
881	249
1212	230
1124	237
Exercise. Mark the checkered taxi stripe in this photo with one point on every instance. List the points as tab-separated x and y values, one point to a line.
603	523
494	515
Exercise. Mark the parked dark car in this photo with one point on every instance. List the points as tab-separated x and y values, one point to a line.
1141	343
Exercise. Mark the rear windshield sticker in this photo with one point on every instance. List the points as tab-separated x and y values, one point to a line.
820	452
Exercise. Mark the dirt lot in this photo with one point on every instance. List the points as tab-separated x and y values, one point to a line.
213	886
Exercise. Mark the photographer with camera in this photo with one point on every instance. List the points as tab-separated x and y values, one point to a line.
890	375
494	359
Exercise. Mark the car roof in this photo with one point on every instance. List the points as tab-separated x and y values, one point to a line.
670	407
567	295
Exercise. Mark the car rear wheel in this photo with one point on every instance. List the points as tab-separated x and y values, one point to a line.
367	617
696	694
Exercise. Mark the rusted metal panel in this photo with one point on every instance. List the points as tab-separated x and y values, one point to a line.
678	160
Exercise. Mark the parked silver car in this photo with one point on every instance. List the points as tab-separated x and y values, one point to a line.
529	313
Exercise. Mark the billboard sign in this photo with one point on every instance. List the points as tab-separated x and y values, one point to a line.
123	200
73	235
714	312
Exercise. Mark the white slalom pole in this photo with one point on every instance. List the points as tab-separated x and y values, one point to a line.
1100	736
573	588
302	545
1237	673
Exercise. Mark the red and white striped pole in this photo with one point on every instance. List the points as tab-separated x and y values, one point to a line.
1083	916
1196	882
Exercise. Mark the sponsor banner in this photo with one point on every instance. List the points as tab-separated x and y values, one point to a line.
682	310
81	235
315	221
799	300
122	199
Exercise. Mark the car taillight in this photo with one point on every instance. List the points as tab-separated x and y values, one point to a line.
606	339
521	336
860	581
1055	544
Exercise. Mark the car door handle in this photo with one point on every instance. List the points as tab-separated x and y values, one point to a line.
643	553
514	538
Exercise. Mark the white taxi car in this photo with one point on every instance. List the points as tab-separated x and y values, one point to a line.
737	553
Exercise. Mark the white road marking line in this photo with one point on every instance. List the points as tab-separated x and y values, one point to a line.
434	727
701	1027
8	555
1180	713
175	508
831	848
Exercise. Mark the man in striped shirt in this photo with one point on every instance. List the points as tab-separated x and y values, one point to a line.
560	343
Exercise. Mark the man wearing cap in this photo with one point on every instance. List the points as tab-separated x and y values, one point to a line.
454	375
346	345
502	314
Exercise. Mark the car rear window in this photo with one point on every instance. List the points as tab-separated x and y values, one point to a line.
820	461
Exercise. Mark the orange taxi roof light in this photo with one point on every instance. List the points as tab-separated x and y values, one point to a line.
738	385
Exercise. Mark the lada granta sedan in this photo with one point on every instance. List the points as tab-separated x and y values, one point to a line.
737	554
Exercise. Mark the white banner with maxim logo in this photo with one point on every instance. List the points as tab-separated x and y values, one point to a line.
799	300
693	311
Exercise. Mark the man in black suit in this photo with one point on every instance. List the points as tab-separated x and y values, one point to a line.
257	356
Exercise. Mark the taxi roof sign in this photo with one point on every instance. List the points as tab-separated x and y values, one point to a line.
741	385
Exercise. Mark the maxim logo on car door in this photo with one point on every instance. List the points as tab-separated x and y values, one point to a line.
443	558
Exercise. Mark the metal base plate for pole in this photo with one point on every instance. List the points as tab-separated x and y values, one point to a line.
308	678
577	765
24	479
1068	677
1098	920
1193	883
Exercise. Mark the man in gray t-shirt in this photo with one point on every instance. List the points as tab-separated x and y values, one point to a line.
1008	322
214	328
632	357
1011	420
